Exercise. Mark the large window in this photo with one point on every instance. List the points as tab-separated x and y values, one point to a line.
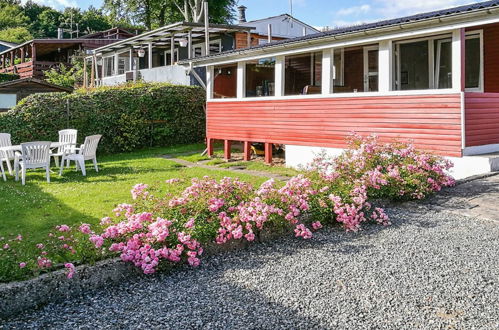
260	77
109	66
225	81
423	63
473	61
303	74
355	69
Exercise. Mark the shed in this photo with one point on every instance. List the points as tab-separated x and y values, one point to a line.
11	92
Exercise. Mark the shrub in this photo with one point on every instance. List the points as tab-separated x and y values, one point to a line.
8	77
161	229
129	116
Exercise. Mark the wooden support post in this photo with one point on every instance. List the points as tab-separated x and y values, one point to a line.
22	55
33	52
85	73
268	153
12	58
209	146
247	151
227	149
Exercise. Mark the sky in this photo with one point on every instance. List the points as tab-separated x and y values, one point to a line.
318	13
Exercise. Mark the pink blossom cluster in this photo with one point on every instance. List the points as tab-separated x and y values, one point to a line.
140	191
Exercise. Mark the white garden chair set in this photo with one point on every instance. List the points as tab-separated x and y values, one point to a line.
32	155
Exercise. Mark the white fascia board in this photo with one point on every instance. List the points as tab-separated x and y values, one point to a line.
362	37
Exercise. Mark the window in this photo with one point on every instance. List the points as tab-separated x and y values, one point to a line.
423	64
108	66
303	74
123	62
355	69
215	47
260	77
197	51
225	81
473	61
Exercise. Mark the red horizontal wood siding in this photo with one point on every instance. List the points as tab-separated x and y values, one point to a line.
481	118
432	122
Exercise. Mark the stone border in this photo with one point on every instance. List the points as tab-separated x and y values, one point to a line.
16	297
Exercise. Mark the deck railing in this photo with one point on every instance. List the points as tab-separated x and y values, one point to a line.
31	69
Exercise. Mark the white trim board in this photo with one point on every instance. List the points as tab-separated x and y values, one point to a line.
231	58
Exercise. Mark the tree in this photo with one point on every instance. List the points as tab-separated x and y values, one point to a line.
65	76
93	20
12	16
17	35
154	13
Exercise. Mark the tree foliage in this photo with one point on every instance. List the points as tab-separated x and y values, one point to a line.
17	35
154	13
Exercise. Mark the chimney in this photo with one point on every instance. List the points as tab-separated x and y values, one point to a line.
60	33
242	14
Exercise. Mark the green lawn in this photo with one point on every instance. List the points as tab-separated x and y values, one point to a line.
33	210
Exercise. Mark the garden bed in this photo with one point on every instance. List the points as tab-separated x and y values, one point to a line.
160	229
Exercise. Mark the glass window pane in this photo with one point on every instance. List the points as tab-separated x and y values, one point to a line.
443	63
123	63
472	62
260	77
372	71
225	81
303	74
414	73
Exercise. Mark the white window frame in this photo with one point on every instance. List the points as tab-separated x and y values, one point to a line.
367	74
127	60
338	75
437	60
113	69
202	46
175	56
471	35
431	59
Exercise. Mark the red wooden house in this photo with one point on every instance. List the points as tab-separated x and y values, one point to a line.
432	78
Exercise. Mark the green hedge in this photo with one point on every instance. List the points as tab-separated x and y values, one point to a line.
8	77
128	117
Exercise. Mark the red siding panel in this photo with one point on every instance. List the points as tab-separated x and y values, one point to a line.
432	122
482	118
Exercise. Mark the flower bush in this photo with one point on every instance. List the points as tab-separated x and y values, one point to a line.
158	229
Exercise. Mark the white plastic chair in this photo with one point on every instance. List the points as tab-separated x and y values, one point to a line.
87	151
3	171
8	155
34	155
67	136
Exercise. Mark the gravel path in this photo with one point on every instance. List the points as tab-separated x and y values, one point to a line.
428	270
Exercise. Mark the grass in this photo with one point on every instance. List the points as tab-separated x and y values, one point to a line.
33	210
262	167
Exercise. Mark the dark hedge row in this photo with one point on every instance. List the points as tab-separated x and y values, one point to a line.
128	117
8	77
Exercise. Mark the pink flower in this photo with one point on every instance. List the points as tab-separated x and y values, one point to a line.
85	228
190	223
105	221
193	261
139	190
63	228
19	237
97	240
71	270
6	246
22	265
316	225
171	181
40	246
44	262
302	231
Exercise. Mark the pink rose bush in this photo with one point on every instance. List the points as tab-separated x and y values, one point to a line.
159	230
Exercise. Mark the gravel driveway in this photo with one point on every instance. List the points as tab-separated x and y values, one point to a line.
428	270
